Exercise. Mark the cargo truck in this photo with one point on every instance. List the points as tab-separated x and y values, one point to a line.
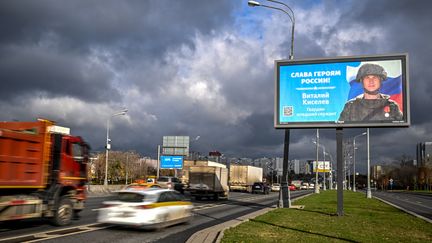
242	177
208	181
43	172
188	163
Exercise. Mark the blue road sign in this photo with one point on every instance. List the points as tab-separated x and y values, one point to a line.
171	162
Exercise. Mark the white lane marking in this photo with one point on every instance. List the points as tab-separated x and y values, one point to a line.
47	235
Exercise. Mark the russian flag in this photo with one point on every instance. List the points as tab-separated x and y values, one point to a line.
391	86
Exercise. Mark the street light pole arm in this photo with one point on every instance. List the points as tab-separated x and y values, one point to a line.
292	17
292	12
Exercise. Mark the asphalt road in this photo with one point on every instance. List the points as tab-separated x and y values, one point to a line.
206	214
418	203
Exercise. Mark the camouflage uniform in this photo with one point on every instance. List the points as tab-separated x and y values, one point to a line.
360	109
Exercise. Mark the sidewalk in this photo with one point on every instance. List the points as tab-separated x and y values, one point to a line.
215	233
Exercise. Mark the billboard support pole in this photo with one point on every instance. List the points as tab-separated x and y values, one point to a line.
340	172
284	194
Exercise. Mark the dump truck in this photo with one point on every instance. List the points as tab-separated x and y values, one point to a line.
242	177
208	181
43	172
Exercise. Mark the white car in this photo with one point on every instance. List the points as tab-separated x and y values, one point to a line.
148	209
275	187
304	186
311	186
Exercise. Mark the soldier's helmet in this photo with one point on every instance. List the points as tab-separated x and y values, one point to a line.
371	69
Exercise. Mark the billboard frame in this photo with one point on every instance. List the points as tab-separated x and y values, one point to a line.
403	57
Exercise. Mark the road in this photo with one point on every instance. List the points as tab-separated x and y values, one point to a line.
419	203
206	214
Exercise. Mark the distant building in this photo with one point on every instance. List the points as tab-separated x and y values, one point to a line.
424	154
279	166
377	172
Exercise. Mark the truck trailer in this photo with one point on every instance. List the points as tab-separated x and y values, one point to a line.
43	172
188	163
242	177
208	181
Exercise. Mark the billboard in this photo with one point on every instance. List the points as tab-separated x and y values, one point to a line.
171	162
175	145
323	166
356	91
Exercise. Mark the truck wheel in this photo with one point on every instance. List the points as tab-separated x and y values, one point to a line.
216	197
63	212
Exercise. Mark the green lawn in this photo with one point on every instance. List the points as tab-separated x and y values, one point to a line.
364	220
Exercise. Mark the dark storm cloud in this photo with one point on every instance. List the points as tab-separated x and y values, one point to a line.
408	29
151	25
46	44
27	70
150	55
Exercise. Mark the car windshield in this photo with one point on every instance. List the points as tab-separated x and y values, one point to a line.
134	197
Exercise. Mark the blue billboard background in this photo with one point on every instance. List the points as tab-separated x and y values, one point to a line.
318	92
171	162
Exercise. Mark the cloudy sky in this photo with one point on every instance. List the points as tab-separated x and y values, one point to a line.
198	68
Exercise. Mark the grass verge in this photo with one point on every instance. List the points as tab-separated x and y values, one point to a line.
364	220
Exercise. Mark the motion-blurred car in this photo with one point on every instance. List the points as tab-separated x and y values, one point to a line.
275	187
304	186
149	209
141	186
260	187
171	182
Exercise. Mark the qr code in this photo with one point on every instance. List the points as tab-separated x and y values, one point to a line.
288	110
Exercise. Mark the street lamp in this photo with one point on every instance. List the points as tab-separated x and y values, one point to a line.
331	171
108	142
354	159
285	190
324	162
368	192
316	162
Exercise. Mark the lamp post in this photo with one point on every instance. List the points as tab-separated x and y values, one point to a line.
284	184
108	142
368	191
354	159
331	171
324	168
316	163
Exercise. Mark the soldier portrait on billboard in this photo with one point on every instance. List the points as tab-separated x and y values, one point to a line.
371	105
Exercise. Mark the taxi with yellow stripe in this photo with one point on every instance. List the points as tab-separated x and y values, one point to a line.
150	209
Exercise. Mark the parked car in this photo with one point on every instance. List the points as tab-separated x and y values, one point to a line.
275	187
311	186
292	187
150	209
170	182
260	187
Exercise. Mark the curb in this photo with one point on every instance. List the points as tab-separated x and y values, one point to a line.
215	233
